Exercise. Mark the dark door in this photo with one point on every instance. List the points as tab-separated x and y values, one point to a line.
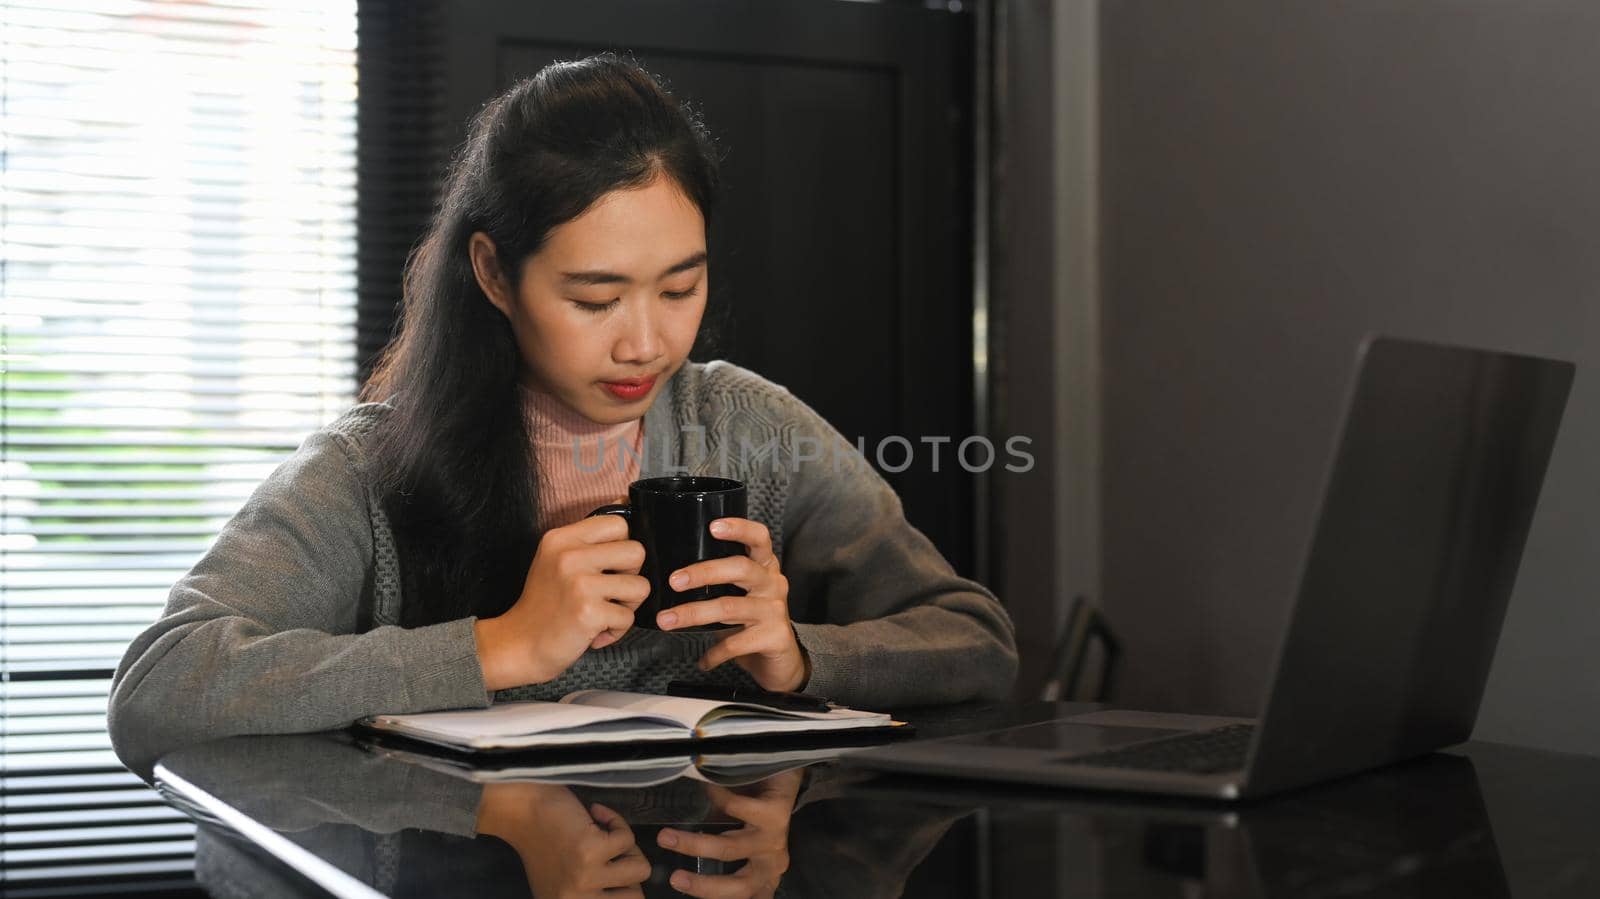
841	257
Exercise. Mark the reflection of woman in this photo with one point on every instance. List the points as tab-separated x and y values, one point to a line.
566	849
843	845
407	829
570	846
429	551
759	845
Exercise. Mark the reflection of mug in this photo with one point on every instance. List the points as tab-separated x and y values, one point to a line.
671	517
664	861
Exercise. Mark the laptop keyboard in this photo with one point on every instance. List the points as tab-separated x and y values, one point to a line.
1202	752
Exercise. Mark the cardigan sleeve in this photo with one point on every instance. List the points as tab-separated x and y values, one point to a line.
259	637
885	619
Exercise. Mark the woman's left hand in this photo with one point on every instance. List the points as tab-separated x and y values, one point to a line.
765	645
765	809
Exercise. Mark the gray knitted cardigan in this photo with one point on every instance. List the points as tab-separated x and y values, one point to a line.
289	622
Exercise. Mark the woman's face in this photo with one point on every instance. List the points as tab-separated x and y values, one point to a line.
614	295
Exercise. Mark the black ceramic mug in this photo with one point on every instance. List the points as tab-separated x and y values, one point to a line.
672	516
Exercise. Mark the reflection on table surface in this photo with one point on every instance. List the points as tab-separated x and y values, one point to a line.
404	822
328	813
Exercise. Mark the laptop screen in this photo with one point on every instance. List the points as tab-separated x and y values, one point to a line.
1424	516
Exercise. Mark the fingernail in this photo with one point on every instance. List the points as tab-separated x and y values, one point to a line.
719	528
668	839
667	619
680	880
678	580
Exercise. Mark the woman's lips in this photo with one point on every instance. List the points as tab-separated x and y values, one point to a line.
629	390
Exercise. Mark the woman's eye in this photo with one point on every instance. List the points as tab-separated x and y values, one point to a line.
602	307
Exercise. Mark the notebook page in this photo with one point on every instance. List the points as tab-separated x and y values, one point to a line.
528	723
711	718
838	719
681	709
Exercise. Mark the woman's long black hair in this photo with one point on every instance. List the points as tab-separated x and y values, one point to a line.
452	462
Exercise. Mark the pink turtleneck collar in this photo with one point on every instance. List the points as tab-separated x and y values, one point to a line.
569	487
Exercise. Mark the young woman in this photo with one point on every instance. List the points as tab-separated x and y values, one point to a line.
429	549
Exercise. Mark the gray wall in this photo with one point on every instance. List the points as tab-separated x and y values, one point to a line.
1278	179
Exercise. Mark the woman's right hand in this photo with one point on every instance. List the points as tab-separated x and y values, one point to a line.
566	850
580	593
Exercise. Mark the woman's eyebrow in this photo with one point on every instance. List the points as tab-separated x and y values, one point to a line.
603	277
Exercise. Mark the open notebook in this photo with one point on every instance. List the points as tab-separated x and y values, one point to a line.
590	717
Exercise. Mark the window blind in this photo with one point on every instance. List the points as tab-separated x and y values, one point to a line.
177	312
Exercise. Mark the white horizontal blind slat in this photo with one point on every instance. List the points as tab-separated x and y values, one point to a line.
177	313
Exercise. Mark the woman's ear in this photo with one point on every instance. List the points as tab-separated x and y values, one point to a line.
486	269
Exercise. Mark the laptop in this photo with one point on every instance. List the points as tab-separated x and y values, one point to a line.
1431	492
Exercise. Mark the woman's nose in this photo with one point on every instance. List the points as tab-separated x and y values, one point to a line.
640	340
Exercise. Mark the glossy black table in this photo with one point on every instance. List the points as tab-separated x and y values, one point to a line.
327	814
